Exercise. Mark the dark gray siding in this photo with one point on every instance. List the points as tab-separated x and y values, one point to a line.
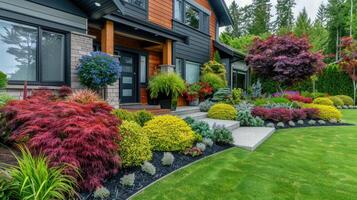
198	49
135	11
40	12
63	5
227	64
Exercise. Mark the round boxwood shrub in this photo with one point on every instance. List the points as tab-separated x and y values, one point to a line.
169	133
223	111
135	147
214	81
323	101
325	112
347	100
336	101
98	70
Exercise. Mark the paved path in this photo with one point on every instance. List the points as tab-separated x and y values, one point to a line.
251	137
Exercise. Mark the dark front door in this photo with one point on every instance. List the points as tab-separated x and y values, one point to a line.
128	80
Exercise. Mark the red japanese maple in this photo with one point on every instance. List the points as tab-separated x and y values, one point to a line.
83	136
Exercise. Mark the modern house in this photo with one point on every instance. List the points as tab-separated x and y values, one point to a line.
41	41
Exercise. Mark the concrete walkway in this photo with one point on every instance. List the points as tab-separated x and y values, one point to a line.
251	137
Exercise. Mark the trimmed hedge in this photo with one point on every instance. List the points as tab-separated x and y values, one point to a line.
336	101
222	111
326	112
323	101
348	101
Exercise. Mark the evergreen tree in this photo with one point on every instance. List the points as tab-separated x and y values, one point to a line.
235	30
321	16
303	24
247	18
261	17
285	16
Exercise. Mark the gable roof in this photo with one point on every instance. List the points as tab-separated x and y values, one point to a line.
222	12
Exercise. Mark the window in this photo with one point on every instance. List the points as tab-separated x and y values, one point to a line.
192	72
178	10
192	16
139	3
19	48
142	69
178	66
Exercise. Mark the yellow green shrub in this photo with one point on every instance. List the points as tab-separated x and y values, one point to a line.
347	100
222	111
135	146
336	101
326	112
169	133
323	101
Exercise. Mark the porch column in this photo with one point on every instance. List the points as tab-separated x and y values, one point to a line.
167	57
107	43
107	40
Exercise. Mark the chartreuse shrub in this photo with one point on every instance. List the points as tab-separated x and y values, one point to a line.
214	81
140	117
135	147
5	98
336	101
83	135
347	100
169	133
325	112
3	80
323	101
222	111
32	178
215	68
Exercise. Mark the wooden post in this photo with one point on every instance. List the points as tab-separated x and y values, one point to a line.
107	42
167	53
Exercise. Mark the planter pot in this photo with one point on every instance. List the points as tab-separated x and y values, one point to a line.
166	102
151	101
194	103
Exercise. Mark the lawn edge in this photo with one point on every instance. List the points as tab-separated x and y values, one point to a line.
190	164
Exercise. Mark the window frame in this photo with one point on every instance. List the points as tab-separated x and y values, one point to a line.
39	66
199	13
183	67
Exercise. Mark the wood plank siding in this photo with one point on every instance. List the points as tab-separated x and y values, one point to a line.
161	13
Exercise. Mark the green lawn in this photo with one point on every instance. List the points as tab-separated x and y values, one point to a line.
309	163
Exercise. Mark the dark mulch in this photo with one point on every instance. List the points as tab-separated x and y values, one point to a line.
142	179
306	124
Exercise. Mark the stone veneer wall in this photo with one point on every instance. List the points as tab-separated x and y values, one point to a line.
81	44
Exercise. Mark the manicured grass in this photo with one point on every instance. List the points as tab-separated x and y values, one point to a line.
350	116
309	163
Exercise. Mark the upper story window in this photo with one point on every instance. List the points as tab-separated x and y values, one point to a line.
139	3
31	53
178	10
192	16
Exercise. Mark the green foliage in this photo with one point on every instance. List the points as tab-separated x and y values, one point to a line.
348	101
166	83
213	80
3	80
215	68
261	102
5	98
303	24
169	133
326	112
323	101
223	95
135	146
336	101
143	116
202	128
128	180
261	17
32	178
124	114
222	135
222	111
217	57
285	15
140	117
246	119
278	100
101	193
7	190
237	94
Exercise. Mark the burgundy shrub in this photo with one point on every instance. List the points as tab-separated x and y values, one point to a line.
299	98
311	113
261	112
299	114
286	59
84	136
64	92
280	114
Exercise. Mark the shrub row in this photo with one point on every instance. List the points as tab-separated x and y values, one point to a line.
325	112
284	114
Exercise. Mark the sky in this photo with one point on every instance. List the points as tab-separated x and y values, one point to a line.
312	6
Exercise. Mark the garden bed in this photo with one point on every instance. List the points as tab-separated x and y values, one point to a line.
142	179
306	124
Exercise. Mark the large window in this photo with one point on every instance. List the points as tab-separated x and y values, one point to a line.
178	10
192	16
139	3
178	66
29	53
192	72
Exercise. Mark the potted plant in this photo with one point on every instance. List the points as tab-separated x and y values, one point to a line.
206	91
192	94
166	87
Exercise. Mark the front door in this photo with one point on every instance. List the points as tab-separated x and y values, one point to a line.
128	80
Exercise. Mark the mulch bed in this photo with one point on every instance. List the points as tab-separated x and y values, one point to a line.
306	124
142	179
